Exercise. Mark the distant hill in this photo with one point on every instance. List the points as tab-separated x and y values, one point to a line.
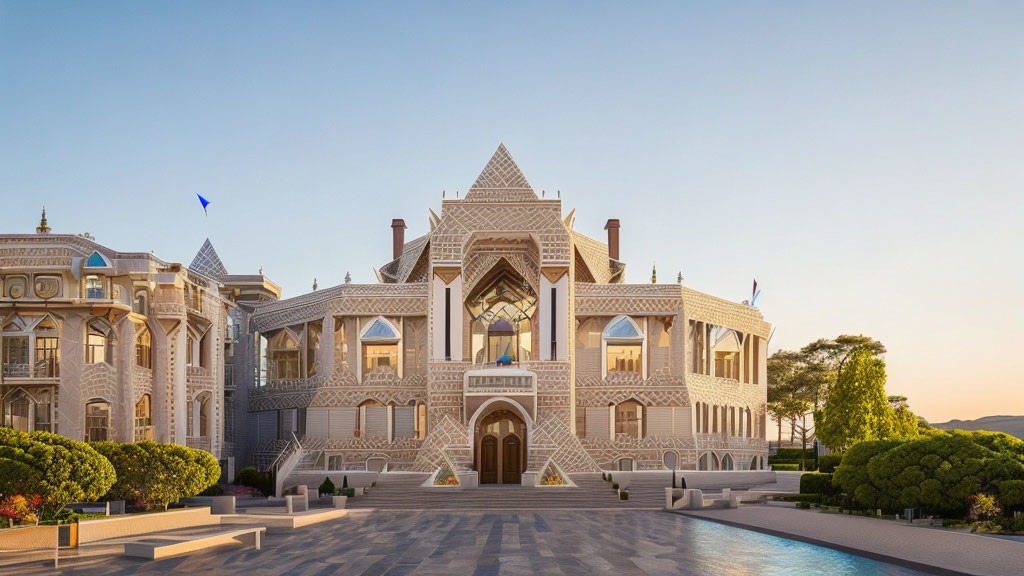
1012	425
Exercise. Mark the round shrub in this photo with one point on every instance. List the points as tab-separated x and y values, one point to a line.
253	478
154	474
817	484
935	473
327	487
59	469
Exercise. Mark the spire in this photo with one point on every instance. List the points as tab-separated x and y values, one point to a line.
315	286
208	263
501	179
654	274
43	228
348	278
679	278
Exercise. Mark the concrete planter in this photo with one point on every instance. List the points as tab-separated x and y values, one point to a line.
339	501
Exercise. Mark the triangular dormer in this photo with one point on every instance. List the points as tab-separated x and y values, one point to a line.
501	179
96	260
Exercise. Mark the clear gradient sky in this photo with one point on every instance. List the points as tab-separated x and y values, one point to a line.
864	161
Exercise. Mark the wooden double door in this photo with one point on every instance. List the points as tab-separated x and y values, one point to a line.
504	466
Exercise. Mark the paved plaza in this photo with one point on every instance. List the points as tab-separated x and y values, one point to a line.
453	543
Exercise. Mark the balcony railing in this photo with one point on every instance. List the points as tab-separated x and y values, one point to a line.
198	442
509	380
48	368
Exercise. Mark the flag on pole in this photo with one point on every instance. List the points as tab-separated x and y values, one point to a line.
754	293
205	203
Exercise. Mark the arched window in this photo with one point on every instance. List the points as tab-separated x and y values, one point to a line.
624	346
703	462
670	460
144	418
99	342
372	420
17	410
727	462
379	340
140	304
750	425
97	421
15	348
144	348
199	415
284	355
629	416
47	349
624	464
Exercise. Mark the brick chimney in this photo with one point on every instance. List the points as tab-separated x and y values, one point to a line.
397	237
613	238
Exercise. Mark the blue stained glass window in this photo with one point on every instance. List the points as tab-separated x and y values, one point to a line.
623	329
96	260
380	330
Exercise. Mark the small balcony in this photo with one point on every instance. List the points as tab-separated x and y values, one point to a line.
504	380
47	368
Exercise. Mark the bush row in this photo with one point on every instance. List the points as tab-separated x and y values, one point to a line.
934	473
55	470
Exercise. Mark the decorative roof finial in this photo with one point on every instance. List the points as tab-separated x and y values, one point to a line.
43	228
654	274
348	277
261	270
314	285
680	277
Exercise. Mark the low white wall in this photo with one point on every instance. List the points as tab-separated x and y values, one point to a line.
703	479
133	524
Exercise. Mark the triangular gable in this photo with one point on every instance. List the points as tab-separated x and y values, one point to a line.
501	178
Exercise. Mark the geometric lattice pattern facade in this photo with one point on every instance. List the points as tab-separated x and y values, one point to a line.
501	342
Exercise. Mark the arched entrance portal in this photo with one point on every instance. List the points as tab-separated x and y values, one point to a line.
500	447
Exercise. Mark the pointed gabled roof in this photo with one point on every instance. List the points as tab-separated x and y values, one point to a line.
501	179
208	263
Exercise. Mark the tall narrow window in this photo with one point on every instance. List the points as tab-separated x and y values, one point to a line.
99	342
284	356
313	330
97	421
144	418
47	352
144	348
447	323
17	410
554	323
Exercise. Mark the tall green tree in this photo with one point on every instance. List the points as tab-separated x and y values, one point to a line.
825	360
857	408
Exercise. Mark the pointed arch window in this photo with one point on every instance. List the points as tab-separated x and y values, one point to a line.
624	345
144	418
99	342
380	344
726	344
144	348
47	349
284	355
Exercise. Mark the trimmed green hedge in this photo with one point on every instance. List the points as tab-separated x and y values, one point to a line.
786	467
793	454
816	483
255	479
827	463
809	498
154	474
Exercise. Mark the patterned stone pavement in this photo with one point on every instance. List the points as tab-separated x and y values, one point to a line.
452	543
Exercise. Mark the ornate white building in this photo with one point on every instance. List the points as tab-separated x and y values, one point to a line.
504	343
97	344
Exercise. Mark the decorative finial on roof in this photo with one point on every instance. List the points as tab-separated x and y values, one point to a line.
654	274
442	194
315	286
261	270
679	278
43	228
559	194
543	193
348	277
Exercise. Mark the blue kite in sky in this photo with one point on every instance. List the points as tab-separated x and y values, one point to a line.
205	203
